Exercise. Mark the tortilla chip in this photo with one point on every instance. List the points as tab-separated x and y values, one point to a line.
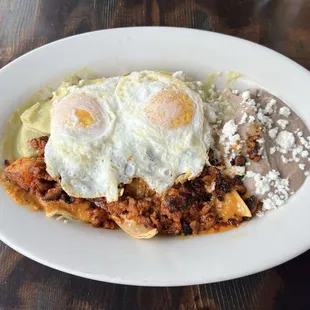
138	231
233	206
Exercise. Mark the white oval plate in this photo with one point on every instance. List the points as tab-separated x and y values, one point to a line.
113	256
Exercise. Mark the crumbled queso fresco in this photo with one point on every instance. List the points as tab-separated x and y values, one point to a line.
282	123
285	111
229	138
264	184
285	141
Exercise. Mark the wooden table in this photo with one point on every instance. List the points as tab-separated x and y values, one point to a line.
283	25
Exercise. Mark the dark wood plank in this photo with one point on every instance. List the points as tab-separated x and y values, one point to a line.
283	25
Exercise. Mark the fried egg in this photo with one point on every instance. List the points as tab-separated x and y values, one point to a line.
147	124
78	150
165	118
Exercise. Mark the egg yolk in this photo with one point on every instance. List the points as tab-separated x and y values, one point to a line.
170	109
85	118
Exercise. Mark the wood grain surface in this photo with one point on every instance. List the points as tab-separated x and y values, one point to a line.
283	25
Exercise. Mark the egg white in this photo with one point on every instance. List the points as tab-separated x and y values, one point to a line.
159	155
81	157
